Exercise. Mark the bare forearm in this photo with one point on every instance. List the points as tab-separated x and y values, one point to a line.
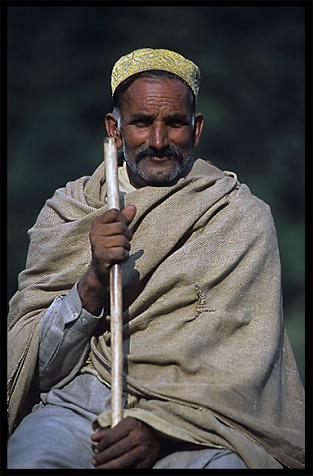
91	291
110	244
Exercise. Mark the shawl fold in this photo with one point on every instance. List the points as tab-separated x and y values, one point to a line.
206	355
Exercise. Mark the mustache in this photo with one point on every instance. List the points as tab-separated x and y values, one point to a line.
169	151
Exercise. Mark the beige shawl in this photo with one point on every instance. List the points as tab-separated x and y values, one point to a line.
206	356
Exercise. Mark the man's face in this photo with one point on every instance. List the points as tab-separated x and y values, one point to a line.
157	130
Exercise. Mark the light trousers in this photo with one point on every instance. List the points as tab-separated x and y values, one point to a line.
56	434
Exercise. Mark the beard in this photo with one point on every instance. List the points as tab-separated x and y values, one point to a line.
179	163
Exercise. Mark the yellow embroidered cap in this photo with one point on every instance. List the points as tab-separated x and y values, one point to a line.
148	59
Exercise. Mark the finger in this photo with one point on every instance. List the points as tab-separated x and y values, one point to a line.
111	229
113	451
129	212
116	241
107	439
123	460
98	435
136	449
112	215
117	255
115	434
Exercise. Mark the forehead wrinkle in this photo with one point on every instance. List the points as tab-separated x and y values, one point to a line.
141	97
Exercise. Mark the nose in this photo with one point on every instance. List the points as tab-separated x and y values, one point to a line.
158	136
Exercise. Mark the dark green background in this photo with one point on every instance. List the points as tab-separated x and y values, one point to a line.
252	96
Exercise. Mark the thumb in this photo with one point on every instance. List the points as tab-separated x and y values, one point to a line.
129	212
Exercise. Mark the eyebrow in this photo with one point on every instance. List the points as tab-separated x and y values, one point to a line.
138	116
179	117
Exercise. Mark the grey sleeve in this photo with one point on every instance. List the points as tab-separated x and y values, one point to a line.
65	333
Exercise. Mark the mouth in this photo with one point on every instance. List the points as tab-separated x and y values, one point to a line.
155	158
171	155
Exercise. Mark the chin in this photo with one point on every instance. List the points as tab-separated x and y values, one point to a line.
162	176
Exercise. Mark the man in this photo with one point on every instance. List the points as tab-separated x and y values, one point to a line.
209	377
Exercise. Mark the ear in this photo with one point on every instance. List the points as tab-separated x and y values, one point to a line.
111	125
199	121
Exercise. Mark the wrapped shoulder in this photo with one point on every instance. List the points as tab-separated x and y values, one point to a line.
67	204
251	210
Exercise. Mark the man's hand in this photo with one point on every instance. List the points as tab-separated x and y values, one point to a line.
128	445
110	240
110	244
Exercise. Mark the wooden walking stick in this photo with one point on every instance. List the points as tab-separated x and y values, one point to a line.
110	155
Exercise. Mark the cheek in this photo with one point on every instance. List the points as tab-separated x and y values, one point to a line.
135	139
181	140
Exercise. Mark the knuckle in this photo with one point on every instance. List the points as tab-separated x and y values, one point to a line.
118	254
95	222
125	243
92	234
125	255
112	213
121	227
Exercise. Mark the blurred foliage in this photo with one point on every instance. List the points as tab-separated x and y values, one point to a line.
252	96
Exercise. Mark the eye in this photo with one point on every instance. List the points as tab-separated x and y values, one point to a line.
176	122
141	121
141	124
